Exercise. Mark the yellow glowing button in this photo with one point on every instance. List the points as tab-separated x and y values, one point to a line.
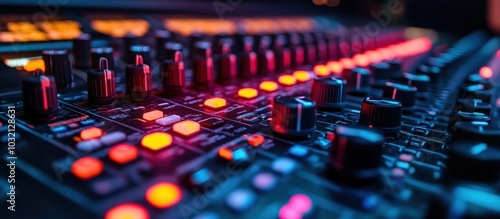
152	115
87	167
127	211
287	80
215	103
34	64
255	140
247	93
268	86
321	70
186	128
361	60
335	67
302	76
156	141
90	133
123	153
163	195
225	153
347	63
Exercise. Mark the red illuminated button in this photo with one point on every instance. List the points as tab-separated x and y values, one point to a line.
90	133
163	195
127	211
255	140
287	80
215	103
87	167
186	128
123	153
247	93
486	72
152	115
156	141
268	86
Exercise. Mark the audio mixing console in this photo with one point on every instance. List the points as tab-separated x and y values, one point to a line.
289	117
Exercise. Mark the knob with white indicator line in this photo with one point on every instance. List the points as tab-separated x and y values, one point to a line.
293	116
381	113
328	92
101	86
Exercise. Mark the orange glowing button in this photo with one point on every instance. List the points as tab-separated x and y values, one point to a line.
255	140
163	195
321	70
123	153
90	133
186	128
226	153
268	86
127	211
87	167
302	76
335	67
156	141
287	80
247	93
347	63
486	72
215	103
34	64
361	60
152	115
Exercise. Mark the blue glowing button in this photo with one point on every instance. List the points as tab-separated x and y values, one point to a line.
240	200
264	182
113	138
299	151
403	165
88	145
207	215
87	122
284	165
58	129
200	177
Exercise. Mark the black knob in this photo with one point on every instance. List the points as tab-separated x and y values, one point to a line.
162	37
57	64
296	50
404	93
40	97
432	72
321	47
381	72
172	71
328	92
381	113
462	116
129	40
476	131
142	50
247	60
395	66
139	80
309	49
472	105
476	91
171	49
226	65
473	161
293	116
265	57
81	51
105	52
101	86
421	82
203	68
355	155
358	81
477	79
282	54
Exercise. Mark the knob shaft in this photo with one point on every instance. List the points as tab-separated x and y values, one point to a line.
381	113
101	86
139	80
355	154
57	64
40	97
328	92
293	116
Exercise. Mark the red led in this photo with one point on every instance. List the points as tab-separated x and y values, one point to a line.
486	72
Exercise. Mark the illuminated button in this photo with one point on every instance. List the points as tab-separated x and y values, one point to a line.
361	60
88	145
268	86
284	165
34	64
163	195
90	133
87	167
302	76
298	151
335	67
264	182
127	211
215	103
255	140
247	93
225	153
167	120
321	70
347	63
287	80
186	128
486	72
150	116
156	141
240	200
123	153
113	138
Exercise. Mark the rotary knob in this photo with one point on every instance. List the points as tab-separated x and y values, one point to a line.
328	92
381	113
101	86
421	82
40	97
203	67
473	161
358	81
472	105
142	50
462	116
293	116
173	74
226	64
81	51
381	72
57	64
105	52
139	80
472	131
404	93
247	60
355	154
